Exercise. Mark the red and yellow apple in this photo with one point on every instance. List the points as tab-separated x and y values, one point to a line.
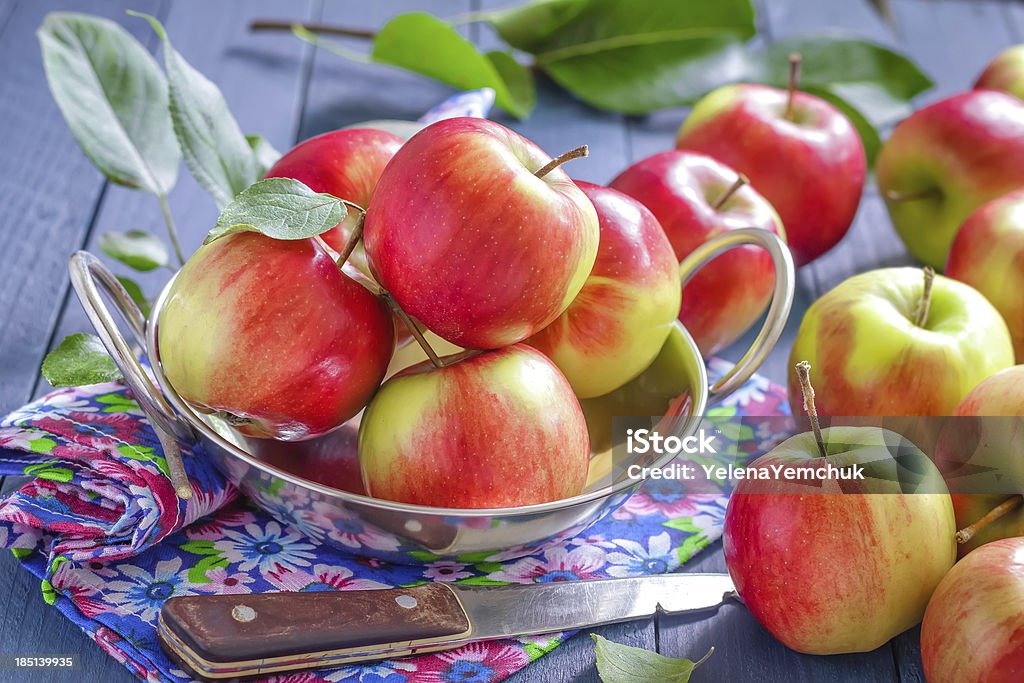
946	160
619	321
1004	73
807	160
988	254
488	429
272	336
471	242
695	198
847	565
973	631
872	356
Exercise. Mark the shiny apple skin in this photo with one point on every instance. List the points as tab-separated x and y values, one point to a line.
988	254
729	294
470	242
1004	73
493	429
833	572
274	334
619	321
811	169
973	631
967	149
870	359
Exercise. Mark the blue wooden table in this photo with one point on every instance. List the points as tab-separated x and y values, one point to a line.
53	202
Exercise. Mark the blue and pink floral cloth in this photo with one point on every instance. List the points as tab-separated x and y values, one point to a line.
100	526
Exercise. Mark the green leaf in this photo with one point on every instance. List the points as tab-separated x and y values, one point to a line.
216	152
875	80
264	153
869	136
422	43
618	663
113	97
136	249
135	292
281	208
632	57
80	359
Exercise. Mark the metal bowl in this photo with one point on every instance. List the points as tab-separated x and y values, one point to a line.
674	386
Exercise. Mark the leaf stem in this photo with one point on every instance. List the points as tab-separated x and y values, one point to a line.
921	316
435	360
353	240
794	81
741	180
803	371
1008	505
172	232
576	153
312	27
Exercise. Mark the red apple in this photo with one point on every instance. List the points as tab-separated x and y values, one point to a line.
273	336
946	160
471	242
988	254
1005	72
694	199
807	159
345	163
973	631
619	321
876	355
488	429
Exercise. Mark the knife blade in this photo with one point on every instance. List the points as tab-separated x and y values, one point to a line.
225	636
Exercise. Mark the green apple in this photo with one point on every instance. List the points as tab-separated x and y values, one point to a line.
1005	72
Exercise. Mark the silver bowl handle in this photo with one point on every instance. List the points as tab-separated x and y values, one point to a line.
89	276
778	312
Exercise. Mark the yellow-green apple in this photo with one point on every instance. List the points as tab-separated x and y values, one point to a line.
988	254
801	153
886	343
345	163
486	429
973	631
946	160
478	234
833	565
696	198
271	335
1005	72
619	321
991	442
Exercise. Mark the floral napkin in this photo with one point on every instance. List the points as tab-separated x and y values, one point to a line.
100	527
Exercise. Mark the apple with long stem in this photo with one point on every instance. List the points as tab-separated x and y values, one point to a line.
619	321
481	429
890	342
946	160
345	163
272	336
988	254
800	152
695	198
478	234
841	565
973	631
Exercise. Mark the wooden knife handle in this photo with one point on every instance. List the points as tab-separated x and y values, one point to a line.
248	629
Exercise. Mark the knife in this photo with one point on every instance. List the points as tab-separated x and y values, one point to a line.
226	636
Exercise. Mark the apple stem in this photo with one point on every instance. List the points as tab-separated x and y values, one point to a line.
803	371
921	316
576	153
353	240
794	80
741	180
968	532
897	196
435	360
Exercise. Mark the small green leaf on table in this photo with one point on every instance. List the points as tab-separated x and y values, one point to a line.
617	663
281	208
136	249
113	98
135	292
216	151
79	360
264	153
424	44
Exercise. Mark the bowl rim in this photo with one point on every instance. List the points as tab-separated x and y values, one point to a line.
699	398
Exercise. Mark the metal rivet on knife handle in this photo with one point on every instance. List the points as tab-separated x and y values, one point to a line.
406	601
243	613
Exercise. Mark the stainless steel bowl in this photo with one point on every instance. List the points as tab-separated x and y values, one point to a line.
675	386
